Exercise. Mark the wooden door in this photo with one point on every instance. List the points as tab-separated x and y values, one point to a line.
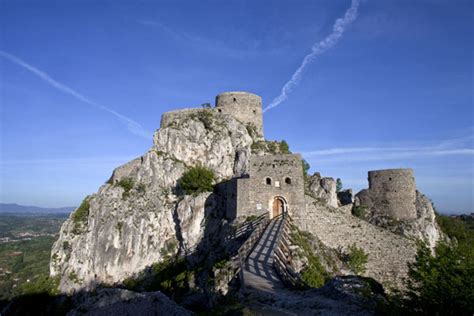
277	207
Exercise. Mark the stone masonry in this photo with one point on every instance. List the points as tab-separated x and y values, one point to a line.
269	177
391	192
243	106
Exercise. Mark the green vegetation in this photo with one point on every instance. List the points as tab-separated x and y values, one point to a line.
251	129
443	283
196	180
314	274
79	217
170	277
284	148
14	226
24	267
126	184
357	259
463	231
206	117
272	147
169	248
306	167
338	185
359	211
251	218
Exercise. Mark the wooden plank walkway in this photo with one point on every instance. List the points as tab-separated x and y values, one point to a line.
259	273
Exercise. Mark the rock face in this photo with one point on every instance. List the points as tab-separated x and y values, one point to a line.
345	197
323	189
122	302
139	217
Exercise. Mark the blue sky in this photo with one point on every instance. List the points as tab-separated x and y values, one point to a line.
83	86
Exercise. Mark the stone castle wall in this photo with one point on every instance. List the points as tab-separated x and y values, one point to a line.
255	195
168	118
391	192
246	107
243	106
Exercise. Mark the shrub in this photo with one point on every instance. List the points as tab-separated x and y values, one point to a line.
251	129
359	211
284	148
79	217
205	116
314	274
357	259
196	180
126	184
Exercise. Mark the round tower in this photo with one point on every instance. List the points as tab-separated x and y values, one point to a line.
393	192
245	107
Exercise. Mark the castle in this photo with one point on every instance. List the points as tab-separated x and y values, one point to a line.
275	184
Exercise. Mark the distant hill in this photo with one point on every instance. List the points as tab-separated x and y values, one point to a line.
15	208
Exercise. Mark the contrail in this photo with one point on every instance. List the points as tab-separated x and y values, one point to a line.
318	48
132	126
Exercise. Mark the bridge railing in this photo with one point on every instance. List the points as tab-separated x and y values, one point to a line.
282	256
236	264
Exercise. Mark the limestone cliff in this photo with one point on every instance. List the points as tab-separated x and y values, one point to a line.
139	217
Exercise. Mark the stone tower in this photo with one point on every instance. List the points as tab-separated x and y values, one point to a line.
391	192
245	107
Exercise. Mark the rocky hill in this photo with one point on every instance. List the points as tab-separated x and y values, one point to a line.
141	216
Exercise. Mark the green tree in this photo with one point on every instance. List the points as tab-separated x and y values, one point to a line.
338	185
357	259
284	148
442	284
306	168
196	180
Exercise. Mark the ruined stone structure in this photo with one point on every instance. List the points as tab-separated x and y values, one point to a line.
128	229
274	184
243	106
391	192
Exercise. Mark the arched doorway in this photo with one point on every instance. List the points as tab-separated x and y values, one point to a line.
278	206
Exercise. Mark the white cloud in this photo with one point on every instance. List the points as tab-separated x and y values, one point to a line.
132	125
318	48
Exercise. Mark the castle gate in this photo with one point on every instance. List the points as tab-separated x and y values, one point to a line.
279	206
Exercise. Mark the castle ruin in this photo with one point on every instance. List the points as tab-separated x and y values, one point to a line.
391	192
243	106
275	183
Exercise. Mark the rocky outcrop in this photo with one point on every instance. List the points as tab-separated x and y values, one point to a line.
422	227
139	216
345	197
121	302
323	189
